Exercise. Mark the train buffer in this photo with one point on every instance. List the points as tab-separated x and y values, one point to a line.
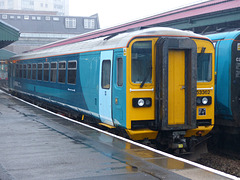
36	144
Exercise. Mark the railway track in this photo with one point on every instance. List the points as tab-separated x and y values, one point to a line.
222	162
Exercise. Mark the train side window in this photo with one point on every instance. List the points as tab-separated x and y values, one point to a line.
106	71
20	70
17	70
25	71
34	71
40	71
46	71
29	69
120	72
62	72
14	70
53	77
72	70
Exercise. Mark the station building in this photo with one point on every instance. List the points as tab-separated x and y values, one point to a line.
43	27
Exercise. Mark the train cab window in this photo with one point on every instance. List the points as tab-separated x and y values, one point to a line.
20	70
120	72
53	77
106	71
46	71
34	71
62	72
204	67
25	71
72	70
141	62
29	69
39	67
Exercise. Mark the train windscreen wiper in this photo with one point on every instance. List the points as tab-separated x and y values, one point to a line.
145	78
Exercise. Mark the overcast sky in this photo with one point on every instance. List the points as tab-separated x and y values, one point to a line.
113	12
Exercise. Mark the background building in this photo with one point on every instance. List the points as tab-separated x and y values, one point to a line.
38	28
43	21
59	6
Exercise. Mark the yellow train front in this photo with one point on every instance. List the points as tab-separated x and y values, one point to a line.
170	89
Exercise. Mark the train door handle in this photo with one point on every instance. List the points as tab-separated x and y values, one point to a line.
183	87
105	93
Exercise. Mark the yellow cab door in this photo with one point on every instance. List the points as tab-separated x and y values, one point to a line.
175	92
176	87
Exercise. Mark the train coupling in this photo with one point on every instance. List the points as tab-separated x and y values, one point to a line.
178	140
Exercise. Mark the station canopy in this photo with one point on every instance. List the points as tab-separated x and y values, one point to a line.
206	17
8	34
5	54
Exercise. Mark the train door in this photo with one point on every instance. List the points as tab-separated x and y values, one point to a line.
176	87
105	87
176	80
118	88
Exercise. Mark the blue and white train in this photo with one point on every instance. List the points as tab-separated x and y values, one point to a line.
227	66
156	83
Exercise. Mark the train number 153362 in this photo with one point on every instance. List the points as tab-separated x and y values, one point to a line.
202	92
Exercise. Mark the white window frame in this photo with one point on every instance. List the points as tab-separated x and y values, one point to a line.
26	17
89	23
56	19
4	16
47	18
70	23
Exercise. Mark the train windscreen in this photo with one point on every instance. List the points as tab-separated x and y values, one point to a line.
204	67
142	62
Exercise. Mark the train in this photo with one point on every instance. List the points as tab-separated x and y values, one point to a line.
154	84
227	94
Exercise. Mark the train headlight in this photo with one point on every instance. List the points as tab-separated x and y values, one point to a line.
204	100
198	101
148	102
142	102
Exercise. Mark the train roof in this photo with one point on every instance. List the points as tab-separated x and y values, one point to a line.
113	41
225	35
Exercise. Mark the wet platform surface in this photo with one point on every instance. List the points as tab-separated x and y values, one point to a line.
35	144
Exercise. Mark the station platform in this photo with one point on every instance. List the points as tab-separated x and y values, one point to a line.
37	144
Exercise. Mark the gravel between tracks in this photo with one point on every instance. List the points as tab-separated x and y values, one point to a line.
221	162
